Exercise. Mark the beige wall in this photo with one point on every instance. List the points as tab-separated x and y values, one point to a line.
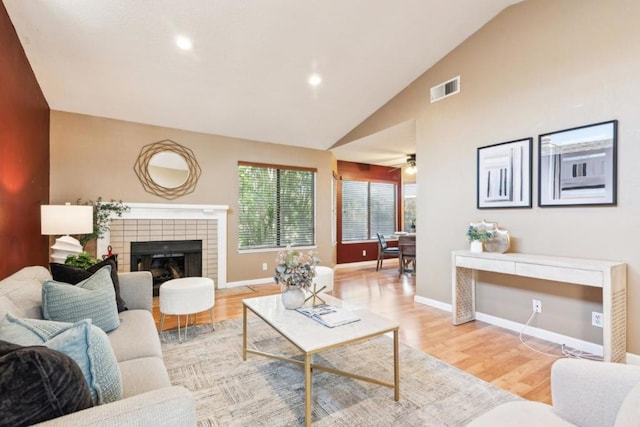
92	156
539	66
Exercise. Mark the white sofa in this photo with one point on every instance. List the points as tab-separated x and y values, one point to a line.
149	398
584	393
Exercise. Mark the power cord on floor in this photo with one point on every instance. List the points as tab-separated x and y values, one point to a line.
579	354
566	351
526	325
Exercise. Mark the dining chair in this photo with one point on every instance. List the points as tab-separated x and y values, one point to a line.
384	251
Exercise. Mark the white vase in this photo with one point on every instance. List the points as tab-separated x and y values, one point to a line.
293	298
475	246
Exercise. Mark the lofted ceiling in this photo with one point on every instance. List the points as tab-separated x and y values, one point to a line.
246	74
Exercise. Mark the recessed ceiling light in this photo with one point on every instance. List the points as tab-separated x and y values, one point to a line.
184	43
315	79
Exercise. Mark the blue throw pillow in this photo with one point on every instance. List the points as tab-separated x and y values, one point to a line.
93	298
72	275
86	344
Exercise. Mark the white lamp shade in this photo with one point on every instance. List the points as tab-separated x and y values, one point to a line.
66	219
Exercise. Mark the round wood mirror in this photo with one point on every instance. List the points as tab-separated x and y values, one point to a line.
167	169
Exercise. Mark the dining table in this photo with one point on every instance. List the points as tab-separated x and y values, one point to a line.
407	253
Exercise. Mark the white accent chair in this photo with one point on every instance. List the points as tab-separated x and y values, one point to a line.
324	277
585	393
323	284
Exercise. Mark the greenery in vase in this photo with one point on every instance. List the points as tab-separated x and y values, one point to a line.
476	233
102	212
294	269
82	260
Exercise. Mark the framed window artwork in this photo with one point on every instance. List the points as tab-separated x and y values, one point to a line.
578	166
504	175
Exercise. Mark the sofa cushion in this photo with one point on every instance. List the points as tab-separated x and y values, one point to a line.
629	412
73	275
136	337
38	384
521	414
86	344
92	298
21	293
143	375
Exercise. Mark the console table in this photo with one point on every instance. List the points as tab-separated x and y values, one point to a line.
611	276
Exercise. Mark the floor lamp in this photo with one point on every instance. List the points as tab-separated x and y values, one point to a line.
64	220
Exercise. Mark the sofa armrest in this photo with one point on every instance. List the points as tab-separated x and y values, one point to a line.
589	393
136	289
168	406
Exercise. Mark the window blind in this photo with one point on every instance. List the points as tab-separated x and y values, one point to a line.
367	208
276	206
382	210
355	210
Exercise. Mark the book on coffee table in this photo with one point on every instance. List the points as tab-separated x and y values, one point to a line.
329	315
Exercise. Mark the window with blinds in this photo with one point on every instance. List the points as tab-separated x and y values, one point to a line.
410	193
367	208
276	206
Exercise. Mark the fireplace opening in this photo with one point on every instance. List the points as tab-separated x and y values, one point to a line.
167	260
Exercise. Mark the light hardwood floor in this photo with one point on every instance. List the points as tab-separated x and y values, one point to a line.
488	352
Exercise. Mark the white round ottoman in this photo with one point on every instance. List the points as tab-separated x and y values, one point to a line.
187	295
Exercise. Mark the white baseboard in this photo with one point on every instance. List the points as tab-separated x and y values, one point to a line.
264	281
432	303
543	334
355	264
530	331
633	359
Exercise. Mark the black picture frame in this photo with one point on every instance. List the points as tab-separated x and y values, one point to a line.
579	166
504	175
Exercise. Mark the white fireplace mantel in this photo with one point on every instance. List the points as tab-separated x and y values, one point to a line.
179	211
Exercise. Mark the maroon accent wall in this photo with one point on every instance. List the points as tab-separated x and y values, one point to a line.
352	252
24	156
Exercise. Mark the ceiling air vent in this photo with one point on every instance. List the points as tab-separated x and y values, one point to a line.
445	89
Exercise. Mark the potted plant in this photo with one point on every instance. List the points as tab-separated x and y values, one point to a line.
294	273
102	212
82	260
477	236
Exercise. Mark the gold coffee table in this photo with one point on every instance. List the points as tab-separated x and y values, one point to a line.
311	337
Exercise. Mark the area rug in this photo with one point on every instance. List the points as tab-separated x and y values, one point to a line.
265	392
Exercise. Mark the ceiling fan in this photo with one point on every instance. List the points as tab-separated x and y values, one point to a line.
410	165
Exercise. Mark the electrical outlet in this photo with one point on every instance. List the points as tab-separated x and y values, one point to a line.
537	305
364	253
597	319
264	266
